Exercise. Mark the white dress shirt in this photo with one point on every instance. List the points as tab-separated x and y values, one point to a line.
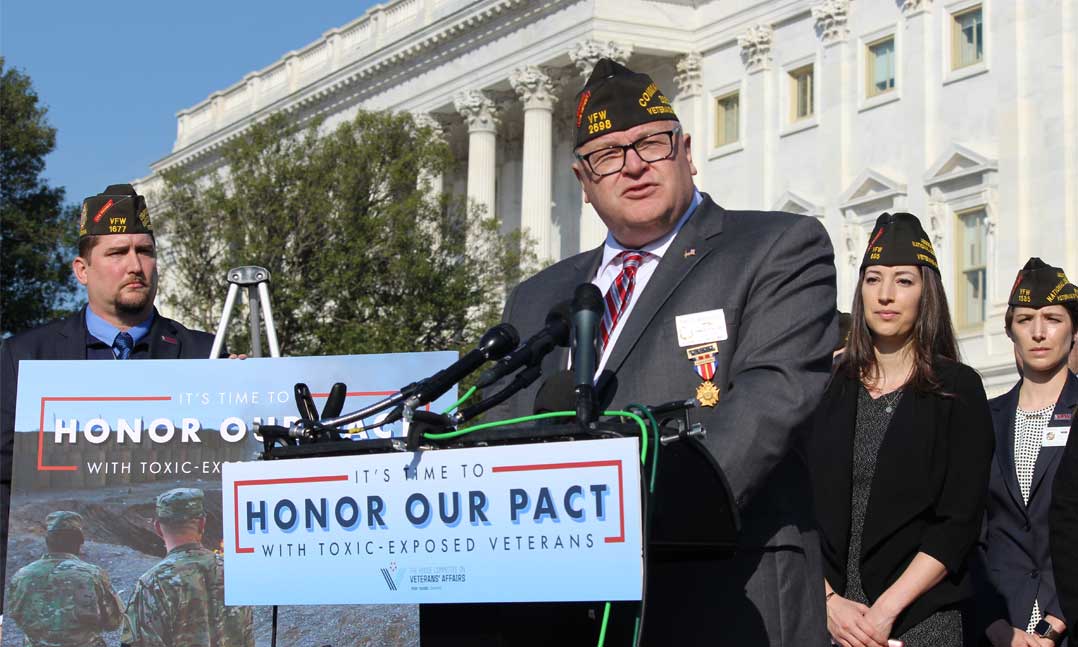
610	267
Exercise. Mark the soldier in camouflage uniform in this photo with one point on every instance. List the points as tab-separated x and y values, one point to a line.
60	600
180	602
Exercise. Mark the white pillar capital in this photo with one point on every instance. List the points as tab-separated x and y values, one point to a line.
534	87
480	114
755	46
831	18
914	7
536	90
688	78
425	120
479	111
587	53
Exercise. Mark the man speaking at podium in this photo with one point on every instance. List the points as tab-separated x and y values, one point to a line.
117	262
679	272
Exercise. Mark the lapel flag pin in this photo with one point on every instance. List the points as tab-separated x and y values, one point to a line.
690	252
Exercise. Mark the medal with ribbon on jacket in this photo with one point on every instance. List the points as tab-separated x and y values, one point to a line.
705	359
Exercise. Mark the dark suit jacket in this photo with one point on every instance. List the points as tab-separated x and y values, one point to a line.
928	492
1063	523
1014	547
66	339
773	276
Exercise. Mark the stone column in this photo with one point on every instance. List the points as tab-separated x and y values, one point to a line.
431	180
584	56
917	61
536	91
760	120
690	102
481	118
837	100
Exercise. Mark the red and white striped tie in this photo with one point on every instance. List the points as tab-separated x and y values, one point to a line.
621	290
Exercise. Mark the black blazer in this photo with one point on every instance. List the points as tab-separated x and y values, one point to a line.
66	339
1064	526
1014	553
928	492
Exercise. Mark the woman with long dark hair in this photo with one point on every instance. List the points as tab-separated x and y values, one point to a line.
899	454
1018	596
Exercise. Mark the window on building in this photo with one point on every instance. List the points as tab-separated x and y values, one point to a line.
801	91
972	299
727	119
880	66
967	39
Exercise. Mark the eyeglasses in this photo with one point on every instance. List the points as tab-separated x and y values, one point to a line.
653	148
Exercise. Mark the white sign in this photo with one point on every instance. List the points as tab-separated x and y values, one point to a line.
537	522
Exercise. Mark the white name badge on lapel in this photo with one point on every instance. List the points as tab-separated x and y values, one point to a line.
701	328
1055	436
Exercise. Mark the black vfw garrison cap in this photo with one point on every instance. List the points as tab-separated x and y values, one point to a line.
1039	284
616	98
899	239
116	210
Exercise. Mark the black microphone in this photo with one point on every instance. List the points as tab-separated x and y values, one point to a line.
335	402
520	381
494	344
555	333
587	313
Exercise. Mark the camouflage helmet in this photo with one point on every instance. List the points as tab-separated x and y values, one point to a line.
180	504
63	520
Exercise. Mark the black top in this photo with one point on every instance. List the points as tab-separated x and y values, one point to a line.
873	417
928	492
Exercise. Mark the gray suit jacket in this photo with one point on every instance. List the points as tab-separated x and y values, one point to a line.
773	276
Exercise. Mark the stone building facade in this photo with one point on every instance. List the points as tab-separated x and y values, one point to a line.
964	112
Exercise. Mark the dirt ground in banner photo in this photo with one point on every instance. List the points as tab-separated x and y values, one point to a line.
120	539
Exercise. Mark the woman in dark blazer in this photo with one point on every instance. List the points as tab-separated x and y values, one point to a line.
1018	594
899	455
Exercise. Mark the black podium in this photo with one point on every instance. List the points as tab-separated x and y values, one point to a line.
692	516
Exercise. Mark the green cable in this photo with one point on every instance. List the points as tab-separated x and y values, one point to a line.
467	394
500	423
543	416
655	428
651	486
602	631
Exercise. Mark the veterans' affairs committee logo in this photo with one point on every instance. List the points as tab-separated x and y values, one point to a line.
422	578
393	576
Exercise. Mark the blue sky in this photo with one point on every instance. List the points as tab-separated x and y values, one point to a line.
114	73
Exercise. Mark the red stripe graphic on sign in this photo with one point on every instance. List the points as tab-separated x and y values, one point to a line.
41	467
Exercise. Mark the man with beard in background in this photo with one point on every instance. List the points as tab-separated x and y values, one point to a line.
117	262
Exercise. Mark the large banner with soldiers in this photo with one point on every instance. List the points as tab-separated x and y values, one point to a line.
115	523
